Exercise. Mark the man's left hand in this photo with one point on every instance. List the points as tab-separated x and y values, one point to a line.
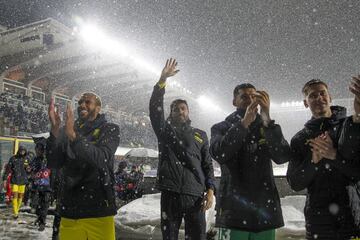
208	200
324	146
69	123
263	99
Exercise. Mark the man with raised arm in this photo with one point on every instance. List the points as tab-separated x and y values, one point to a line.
185	174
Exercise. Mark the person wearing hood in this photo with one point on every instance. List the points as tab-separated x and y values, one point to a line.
41	185
245	145
17	166
325	160
185	173
84	151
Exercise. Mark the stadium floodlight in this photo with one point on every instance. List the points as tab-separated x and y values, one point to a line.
92	35
97	39
208	103
291	104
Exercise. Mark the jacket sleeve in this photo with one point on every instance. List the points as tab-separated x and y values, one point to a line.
206	164
301	170
278	147
348	152
157	109
55	154
223	146
101	153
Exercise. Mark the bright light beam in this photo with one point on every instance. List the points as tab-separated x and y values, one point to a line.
207	103
95	38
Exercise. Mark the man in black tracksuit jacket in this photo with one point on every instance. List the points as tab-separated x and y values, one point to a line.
84	150
325	160
245	145
41	189
185	168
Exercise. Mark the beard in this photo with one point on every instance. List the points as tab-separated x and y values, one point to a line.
90	114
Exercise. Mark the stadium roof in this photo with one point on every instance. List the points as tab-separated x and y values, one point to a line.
49	55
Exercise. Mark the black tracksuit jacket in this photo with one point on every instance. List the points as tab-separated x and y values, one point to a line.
185	165
327	202
87	168
247	198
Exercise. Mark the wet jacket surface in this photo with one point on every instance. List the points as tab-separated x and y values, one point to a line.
40	174
17	166
185	165
247	198
327	202
87	169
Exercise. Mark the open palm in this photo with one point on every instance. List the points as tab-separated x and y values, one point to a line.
54	117
170	69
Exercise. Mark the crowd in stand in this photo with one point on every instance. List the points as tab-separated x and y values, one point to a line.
21	115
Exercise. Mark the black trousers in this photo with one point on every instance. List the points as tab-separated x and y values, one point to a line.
42	205
175	207
322	225
56	223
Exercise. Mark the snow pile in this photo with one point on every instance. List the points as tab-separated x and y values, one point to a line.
140	219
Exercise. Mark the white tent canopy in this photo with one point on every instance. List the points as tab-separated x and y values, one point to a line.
121	151
142	152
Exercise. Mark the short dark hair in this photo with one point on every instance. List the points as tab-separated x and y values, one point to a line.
177	102
310	83
242	86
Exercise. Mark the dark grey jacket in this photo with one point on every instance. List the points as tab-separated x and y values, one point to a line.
87	169
247	198
185	165
17	167
327	180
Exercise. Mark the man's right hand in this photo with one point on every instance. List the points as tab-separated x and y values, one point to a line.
4	185
169	70
316	157
54	117
250	114
355	89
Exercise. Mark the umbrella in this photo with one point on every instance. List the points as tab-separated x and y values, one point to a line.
142	152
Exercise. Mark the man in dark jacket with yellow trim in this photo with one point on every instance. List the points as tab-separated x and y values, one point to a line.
185	171
325	160
17	166
245	145
84	150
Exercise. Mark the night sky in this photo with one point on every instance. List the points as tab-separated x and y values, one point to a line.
276	45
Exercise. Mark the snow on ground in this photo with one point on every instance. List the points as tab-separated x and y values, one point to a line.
140	219
23	227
